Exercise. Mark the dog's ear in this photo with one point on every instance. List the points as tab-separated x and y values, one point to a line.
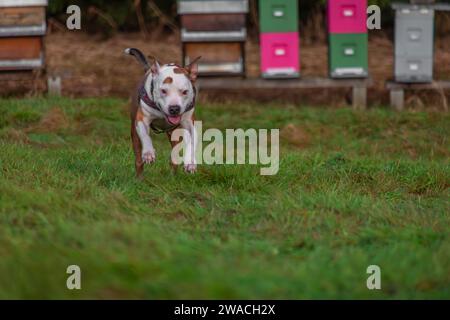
192	69
155	65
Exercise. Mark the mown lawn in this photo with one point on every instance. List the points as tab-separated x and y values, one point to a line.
354	189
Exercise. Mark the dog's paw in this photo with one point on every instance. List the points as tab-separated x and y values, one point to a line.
190	168
148	156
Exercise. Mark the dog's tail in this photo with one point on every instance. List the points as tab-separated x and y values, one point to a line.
139	57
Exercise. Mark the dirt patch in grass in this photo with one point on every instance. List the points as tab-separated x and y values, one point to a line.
52	121
295	136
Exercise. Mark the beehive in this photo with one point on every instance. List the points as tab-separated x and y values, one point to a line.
414	42
22	28
279	38
348	38
215	30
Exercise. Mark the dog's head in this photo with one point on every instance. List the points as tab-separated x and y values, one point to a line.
173	88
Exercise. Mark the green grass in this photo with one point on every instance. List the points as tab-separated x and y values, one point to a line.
354	189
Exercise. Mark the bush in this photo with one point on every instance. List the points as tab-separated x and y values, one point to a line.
98	14
104	15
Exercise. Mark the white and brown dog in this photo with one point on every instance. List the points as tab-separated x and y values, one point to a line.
163	102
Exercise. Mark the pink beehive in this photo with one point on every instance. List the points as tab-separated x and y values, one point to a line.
280	54
347	16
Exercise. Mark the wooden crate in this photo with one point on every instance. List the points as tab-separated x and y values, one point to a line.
213	27
213	22
22	29
212	6
218	58
21	53
18	21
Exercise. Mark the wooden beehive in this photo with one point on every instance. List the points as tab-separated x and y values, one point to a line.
22	31
218	58
215	30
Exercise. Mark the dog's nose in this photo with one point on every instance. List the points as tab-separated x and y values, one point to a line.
174	110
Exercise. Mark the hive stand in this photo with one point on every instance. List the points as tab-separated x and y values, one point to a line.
397	89
21	77
359	86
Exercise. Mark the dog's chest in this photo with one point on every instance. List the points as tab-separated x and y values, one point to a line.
161	125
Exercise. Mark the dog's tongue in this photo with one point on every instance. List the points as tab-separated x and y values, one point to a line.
174	120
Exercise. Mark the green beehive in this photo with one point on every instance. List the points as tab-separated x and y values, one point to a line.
278	15
348	55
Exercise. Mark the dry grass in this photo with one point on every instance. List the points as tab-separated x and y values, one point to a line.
53	120
295	136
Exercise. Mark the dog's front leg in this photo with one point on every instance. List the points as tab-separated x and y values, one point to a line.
190	138
143	131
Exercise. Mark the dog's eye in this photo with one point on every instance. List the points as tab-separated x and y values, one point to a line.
164	91
185	92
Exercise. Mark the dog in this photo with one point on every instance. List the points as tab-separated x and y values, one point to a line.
164	101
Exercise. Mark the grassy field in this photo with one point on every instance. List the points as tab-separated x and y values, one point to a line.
354	189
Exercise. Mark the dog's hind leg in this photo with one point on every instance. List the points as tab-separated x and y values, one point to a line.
137	148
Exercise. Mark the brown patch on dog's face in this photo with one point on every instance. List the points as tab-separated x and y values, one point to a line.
168	80
180	71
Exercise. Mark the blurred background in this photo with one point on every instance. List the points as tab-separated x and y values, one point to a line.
110	16
354	188
91	61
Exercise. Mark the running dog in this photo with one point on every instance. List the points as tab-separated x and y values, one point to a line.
164	101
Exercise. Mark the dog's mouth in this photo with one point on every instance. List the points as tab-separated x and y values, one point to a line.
174	119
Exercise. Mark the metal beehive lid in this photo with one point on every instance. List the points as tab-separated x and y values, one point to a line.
417	6
226	6
442	6
17	31
22	64
23	3
207	36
